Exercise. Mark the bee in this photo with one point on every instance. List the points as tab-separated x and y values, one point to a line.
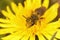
35	16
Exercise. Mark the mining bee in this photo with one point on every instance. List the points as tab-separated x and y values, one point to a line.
35	16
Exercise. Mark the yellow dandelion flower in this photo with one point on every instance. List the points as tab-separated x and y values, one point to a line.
29	22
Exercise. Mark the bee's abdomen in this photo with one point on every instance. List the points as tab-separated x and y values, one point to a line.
40	11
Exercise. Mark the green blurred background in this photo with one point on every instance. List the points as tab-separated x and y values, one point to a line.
4	3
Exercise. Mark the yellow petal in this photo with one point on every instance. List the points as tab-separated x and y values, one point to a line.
8	25
11	37
32	4
28	8
51	13
5	13
7	30
58	34
45	3
32	37
40	36
45	34
14	8
52	27
36	4
4	20
26	37
10	13
28	4
17	35
15	38
21	9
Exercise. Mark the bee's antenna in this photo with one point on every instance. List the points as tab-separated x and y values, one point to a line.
24	17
